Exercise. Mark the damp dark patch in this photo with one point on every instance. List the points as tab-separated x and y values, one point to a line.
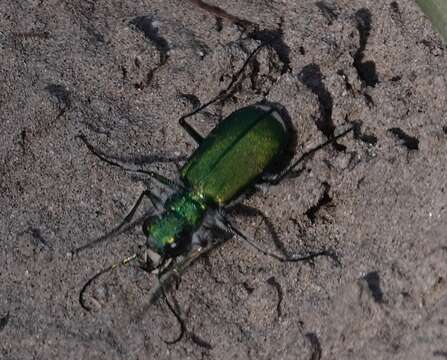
317	350
329	11
4	321
44	35
37	236
192	99
96	128
85	11
435	48
141	85
302	50
94	34
427	43
366	70
348	85
396	78
396	13
23	137
394	6
369	100
221	13
373	281
37	239
255	66
275	39
145	24
440	353
23	140
150	76
219	24
325	199
201	48
272	281
369	139
62	97
312	77
200	342
410	142
123	72
248	288
444	129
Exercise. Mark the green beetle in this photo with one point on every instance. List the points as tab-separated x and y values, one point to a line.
228	160
232	157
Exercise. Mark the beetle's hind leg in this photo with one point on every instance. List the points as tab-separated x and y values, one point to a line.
225	93
251	212
276	179
308	256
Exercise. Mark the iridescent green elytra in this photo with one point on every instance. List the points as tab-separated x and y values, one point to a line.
230	158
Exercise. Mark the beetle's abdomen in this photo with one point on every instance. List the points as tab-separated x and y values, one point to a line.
235	153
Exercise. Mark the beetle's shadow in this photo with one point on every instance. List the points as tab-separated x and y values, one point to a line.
286	154
145	160
249	211
136	163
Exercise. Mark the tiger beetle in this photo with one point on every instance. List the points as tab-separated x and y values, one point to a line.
235	155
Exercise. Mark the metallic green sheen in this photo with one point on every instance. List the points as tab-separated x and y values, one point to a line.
184	211
231	157
235	153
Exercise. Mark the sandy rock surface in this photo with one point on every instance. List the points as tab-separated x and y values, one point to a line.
122	73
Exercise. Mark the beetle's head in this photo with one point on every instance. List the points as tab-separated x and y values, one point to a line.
167	235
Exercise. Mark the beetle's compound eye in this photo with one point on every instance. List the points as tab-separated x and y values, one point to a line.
180	245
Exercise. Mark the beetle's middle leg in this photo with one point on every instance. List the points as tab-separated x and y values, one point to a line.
126	167
308	256
220	97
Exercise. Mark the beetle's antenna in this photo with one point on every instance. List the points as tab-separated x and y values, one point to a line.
306	257
174	312
161	273
125	261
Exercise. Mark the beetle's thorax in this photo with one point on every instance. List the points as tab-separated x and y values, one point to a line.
183	216
189	206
